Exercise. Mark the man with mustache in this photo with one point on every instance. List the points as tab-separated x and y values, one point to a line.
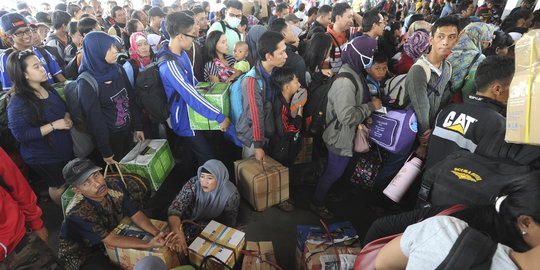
91	218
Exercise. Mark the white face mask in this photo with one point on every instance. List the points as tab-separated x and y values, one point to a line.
367	61
232	21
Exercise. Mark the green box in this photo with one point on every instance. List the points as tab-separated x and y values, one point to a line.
151	159
218	95
60	86
67	197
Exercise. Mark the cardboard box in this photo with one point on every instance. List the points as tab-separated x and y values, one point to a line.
262	185
263	252
127	258
151	159
69	199
60	86
523	109
313	248
315	256
218	240
217	94
306	151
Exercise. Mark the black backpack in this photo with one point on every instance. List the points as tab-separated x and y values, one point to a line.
71	92
72	70
315	109
151	95
467	178
4	100
472	250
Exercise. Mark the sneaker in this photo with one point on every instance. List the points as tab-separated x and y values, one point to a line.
321	211
286	206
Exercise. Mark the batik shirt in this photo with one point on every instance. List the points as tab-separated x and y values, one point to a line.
88	222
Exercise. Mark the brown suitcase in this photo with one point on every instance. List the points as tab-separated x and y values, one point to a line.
262	185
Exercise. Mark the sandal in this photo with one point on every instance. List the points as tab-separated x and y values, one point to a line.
321	211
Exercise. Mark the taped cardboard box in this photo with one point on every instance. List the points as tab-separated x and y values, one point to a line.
523	109
218	240
127	258
261	254
151	159
318	257
262	184
314	249
216	94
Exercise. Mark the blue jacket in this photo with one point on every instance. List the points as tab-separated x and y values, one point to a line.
180	78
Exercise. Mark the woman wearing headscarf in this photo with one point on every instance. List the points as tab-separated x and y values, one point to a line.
140	55
348	106
468	54
205	197
253	35
111	112
413	48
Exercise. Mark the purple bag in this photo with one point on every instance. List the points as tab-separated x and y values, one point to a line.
394	131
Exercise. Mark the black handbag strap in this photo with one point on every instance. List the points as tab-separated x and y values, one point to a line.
472	250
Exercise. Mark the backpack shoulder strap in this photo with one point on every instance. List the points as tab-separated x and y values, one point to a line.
45	55
91	80
350	77
134	67
425	66
224	26
472	250
472	64
253	73
335	41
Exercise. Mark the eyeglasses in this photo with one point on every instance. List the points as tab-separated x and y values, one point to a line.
188	35
28	32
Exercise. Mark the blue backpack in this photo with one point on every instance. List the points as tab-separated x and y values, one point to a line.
236	95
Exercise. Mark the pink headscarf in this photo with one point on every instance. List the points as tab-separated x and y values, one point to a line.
134	50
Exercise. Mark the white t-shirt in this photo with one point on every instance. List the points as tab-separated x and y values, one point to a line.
427	244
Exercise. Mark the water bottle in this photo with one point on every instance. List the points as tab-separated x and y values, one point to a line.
403	179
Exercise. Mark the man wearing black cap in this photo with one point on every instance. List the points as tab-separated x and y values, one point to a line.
92	215
156	15
19	32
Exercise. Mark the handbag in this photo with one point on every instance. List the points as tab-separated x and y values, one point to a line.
367	167
137	187
83	144
361	141
365	260
395	131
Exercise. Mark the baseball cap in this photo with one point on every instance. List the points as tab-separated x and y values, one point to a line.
156	12
12	21
77	171
292	18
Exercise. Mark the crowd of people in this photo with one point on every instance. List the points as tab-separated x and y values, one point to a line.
457	61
